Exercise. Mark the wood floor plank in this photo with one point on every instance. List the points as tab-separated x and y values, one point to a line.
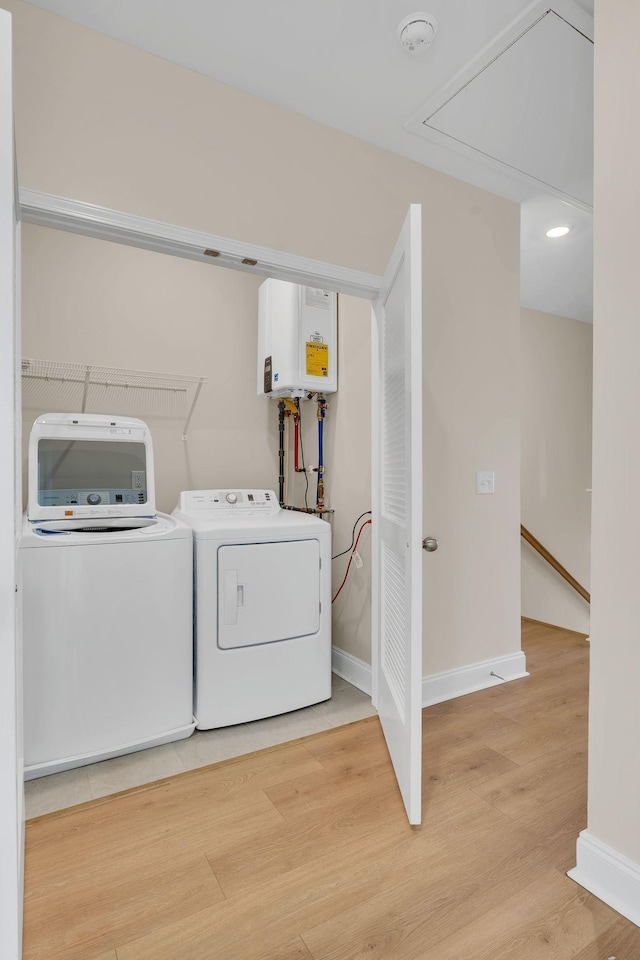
303	851
475	722
545	660
152	866
551	920
538	631
621	940
106	905
141	829
533	793
257	920
518	741
322	790
524	741
351	822
318	891
460	765
102	955
560	827
291	950
409	919
345	741
302	841
213	783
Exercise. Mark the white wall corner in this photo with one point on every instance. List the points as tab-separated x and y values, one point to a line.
439	686
608	875
351	669
475	676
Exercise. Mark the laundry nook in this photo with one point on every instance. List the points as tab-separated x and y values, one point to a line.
141	626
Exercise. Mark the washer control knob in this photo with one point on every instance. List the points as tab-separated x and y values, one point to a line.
94	498
232	497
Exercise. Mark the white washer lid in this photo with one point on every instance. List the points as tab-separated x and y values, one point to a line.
51	533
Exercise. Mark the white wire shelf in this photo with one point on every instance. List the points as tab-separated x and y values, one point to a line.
49	384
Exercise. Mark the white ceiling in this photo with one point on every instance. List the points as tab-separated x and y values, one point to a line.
514	102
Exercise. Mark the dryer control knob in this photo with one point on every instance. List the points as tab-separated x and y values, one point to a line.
232	497
94	498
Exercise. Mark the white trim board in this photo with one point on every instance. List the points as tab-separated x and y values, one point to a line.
474	676
91	220
11	791
608	875
439	686
351	669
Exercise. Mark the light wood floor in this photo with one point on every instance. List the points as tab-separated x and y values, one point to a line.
303	852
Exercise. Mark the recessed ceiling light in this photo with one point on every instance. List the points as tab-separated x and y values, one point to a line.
555	232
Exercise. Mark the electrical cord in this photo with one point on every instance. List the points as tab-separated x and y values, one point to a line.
353	534
355	547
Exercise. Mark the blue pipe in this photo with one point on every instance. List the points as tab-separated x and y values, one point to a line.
320	487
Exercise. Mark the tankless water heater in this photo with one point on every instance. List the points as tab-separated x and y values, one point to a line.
297	340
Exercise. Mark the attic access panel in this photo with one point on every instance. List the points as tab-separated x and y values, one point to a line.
525	106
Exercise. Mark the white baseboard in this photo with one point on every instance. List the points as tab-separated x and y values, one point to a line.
351	669
438	686
607	874
475	676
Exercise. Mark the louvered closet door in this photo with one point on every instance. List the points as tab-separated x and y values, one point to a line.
397	510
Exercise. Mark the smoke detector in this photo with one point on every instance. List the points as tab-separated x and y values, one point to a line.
417	31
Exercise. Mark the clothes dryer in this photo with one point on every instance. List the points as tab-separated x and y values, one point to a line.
262	586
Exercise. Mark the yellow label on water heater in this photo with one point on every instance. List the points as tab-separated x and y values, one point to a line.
317	359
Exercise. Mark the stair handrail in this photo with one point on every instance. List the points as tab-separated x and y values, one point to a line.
557	566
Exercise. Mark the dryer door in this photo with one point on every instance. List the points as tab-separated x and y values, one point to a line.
268	592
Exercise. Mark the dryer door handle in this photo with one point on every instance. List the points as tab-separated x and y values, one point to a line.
231	591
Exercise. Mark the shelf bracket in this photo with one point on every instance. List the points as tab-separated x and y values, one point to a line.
191	409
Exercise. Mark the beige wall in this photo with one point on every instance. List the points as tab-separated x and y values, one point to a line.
90	301
471	421
99	121
349	454
614	771
556	398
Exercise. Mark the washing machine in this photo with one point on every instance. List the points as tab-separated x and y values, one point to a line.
107	599
262	585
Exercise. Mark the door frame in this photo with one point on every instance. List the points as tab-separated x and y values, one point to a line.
11	795
91	220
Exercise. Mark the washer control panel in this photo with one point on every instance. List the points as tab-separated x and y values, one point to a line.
228	502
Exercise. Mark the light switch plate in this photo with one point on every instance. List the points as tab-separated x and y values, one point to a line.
485	481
